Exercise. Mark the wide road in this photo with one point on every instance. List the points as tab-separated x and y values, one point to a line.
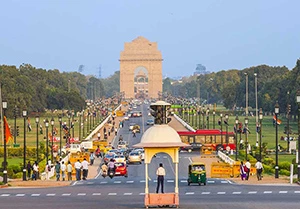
121	192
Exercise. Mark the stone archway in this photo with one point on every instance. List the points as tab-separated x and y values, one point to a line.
141	69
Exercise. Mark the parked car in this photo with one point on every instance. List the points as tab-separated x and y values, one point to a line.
121	169
134	157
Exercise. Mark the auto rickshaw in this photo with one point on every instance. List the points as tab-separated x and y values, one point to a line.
197	173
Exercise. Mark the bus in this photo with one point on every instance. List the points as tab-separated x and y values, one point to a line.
205	137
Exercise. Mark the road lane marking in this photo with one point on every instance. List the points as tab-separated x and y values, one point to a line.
90	182
252	192
267	192
205	192
103	182
224	182
96	194
112	194
236	192
5	195
283	192
117	182
296	192
35	195
183	181
210	182
50	195
221	193
142	181
190	193
154	181
165	157
142	193
66	194
157	156
127	193
170	181
20	195
129	182
81	194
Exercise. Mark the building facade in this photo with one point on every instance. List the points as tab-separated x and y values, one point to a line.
141	69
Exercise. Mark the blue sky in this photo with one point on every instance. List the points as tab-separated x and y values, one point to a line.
219	34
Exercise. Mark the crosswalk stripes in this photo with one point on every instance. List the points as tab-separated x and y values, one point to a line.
191	193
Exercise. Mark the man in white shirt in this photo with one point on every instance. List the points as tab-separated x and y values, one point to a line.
63	168
85	169
248	165
259	168
78	170
160	172
69	170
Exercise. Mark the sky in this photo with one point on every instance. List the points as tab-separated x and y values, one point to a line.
219	34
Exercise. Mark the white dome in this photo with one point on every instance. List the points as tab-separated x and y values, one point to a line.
160	136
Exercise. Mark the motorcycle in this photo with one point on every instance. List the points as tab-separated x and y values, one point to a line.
111	173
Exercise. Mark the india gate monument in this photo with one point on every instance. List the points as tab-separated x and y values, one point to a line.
141	69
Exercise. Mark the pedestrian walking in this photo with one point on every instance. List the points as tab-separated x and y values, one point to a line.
99	135
92	158
29	169
47	171
63	170
259	169
69	170
133	132
78	170
108	132
85	169
242	171
160	172
35	171
57	170
116	131
247	169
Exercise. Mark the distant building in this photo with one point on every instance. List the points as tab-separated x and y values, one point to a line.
201	70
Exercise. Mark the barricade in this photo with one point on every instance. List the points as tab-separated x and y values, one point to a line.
221	170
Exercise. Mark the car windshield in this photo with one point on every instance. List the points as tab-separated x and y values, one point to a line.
119	164
134	153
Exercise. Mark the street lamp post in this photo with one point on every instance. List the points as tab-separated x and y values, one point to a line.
246	109
4	107
83	121
298	103
246	137
47	140
79	127
256	107
221	124
52	138
37	120
276	126
236	137
260	132
69	130
199	114
203	113
226	123
207	119
24	150
214	115
73	135
60	135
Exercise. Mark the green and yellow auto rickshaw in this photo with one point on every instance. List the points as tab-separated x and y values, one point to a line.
197	173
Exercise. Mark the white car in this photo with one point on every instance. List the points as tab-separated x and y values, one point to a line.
141	152
120	159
